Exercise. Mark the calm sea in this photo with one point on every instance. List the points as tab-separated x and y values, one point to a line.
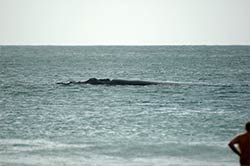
188	123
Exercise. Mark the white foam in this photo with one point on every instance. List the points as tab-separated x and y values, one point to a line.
102	160
17	152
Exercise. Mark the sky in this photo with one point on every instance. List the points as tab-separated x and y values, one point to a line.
125	22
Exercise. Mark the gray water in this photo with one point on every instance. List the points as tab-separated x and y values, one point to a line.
188	123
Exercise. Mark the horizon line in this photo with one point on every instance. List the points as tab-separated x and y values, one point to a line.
123	45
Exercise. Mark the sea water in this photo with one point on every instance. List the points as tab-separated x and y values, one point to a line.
186	122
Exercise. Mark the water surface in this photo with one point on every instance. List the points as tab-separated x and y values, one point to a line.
185	124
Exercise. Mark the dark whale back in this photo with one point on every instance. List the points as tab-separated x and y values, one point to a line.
95	81
130	82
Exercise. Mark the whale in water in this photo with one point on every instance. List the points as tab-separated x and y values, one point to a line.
95	81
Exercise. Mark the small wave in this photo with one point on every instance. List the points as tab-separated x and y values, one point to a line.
194	84
17	145
171	153
174	149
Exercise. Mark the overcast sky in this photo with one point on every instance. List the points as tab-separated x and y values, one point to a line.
125	22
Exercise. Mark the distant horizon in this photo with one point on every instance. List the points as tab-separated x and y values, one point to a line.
125	45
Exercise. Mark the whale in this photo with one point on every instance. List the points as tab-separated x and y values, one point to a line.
107	81
95	81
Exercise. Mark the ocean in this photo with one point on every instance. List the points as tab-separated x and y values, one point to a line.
186	122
